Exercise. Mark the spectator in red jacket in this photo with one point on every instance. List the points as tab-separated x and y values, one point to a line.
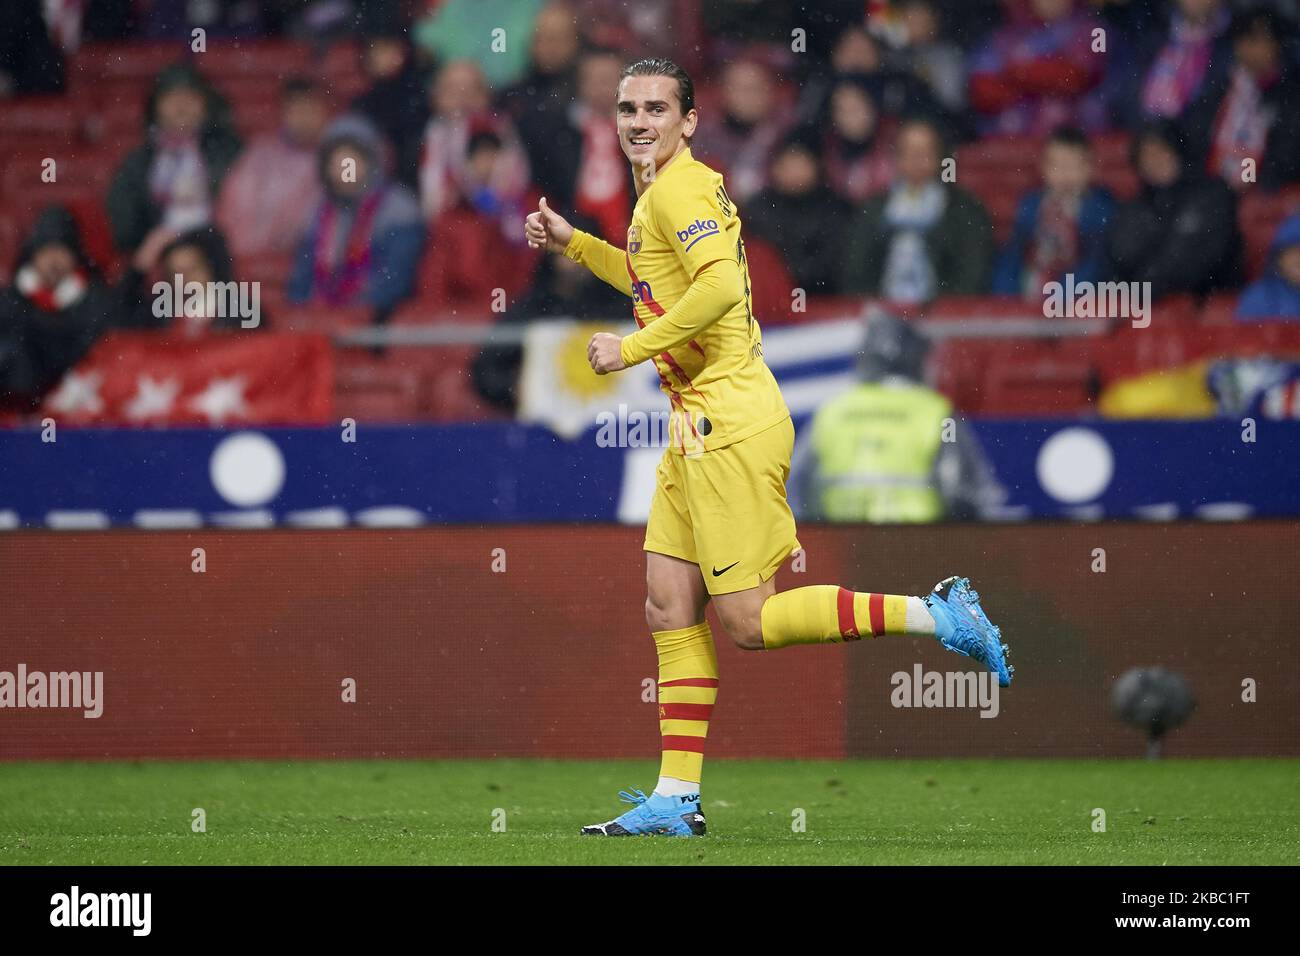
1039	72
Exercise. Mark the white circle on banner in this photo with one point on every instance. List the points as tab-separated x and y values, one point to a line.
247	469
1075	465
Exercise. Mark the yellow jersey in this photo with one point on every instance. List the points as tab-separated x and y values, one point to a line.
707	349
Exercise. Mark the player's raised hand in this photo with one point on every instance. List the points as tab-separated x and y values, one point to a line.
547	229
605	353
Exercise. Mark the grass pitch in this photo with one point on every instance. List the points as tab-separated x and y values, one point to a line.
856	812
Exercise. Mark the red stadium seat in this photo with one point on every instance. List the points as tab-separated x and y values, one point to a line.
1220	310
315	318
957	307
1259	214
11	239
268	60
369	388
78	176
47	116
138	58
771	286
1038	382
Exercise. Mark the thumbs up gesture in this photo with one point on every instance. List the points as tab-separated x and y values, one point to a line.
547	229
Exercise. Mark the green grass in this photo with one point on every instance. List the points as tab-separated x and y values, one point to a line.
441	812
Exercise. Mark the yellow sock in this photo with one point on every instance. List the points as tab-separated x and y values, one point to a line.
827	614
688	687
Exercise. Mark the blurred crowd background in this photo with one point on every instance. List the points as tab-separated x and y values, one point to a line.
946	158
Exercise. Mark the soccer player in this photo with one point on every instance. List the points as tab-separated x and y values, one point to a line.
719	522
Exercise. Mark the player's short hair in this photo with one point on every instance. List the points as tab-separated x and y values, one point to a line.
661	66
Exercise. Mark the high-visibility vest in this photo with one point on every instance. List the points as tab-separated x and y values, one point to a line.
875	448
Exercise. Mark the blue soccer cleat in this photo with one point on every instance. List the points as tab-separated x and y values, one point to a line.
653	816
963	627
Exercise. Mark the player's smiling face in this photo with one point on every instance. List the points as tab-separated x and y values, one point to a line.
651	126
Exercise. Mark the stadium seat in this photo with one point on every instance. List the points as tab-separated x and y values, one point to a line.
11	239
1220	310
770	284
370	388
316	318
957	307
137	58
26	116
1259	214
81	176
266	60
1037	382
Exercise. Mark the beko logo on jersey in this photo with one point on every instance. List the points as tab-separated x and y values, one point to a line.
699	229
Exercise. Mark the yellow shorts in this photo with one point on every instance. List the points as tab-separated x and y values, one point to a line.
726	510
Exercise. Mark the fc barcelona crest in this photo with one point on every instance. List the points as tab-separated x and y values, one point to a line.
634	239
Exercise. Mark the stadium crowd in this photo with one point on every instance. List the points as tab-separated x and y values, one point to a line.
375	159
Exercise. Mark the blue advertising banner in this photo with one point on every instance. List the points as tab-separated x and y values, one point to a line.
398	476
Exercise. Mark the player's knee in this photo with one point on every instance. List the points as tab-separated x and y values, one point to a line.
659	616
745	631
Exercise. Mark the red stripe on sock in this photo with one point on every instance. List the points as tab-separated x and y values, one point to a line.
844	605
690	682
685	711
693	745
877	607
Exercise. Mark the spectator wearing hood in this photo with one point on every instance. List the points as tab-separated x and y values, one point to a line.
1276	294
1180	232
801	216
1039	72
53	312
273	188
363	243
174	176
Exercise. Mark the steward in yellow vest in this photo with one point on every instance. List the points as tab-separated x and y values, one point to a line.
890	450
